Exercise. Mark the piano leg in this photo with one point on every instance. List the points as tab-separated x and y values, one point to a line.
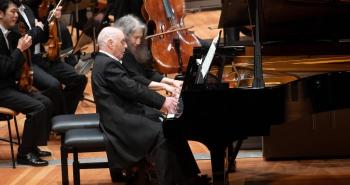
217	153
232	153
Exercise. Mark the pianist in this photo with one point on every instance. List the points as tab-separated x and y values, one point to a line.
130	119
137	57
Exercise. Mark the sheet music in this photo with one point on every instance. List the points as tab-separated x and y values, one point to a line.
209	57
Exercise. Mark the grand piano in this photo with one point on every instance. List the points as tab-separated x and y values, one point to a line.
294	51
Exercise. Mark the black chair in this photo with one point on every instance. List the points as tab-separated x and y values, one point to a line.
7	114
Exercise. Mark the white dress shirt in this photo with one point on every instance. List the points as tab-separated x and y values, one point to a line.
5	32
115	58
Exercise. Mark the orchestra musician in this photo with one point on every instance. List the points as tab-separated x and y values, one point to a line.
137	57
66	39
49	76
130	120
34	105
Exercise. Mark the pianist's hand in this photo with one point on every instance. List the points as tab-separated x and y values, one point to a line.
177	83
172	89
170	105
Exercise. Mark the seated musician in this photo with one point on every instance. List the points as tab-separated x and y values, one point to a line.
130	120
35	106
50	75
137	57
66	39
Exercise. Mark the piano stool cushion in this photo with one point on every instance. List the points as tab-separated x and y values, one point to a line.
85	139
62	123
79	140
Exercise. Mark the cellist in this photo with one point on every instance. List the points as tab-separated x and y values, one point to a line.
33	104
50	75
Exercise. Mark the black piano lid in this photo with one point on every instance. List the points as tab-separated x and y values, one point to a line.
290	20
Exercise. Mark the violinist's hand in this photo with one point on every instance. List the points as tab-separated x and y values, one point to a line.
58	12
24	42
39	24
170	105
99	17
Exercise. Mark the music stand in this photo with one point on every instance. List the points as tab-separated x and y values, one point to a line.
86	62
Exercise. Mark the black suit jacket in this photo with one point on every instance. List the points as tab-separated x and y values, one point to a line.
38	35
11	61
139	72
127	111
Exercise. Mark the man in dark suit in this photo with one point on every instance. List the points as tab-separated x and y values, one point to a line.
50	75
131	120
35	106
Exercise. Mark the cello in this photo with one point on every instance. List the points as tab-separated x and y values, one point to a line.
25	82
173	44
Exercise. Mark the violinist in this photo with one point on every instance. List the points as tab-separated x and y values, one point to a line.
41	10
50	75
34	105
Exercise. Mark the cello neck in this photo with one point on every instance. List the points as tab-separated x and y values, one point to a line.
168	10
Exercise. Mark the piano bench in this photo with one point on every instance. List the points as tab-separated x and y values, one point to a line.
79	141
62	124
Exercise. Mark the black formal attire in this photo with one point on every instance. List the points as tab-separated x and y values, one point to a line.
49	75
131	123
140	72
36	107
66	40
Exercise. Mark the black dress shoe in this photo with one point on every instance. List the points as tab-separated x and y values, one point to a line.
31	159
41	153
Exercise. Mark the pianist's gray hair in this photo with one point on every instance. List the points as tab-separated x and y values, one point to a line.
129	24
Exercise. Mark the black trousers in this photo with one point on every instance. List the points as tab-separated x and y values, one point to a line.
173	160
49	77
38	110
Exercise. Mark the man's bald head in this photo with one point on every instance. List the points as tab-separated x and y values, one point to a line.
112	40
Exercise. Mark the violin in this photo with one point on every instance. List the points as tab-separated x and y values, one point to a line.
54	42
25	82
173	45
